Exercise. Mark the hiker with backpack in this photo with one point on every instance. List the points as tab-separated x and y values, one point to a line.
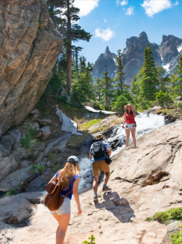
99	156
67	182
129	123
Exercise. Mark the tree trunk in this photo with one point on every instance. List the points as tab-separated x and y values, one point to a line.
69	56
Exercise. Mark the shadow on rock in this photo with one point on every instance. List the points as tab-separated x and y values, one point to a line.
119	207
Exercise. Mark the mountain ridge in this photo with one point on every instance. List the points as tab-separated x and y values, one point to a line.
166	55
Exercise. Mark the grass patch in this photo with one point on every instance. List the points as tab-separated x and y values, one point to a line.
176	238
88	124
99	129
164	217
76	141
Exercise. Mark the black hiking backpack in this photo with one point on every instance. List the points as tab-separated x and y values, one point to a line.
98	150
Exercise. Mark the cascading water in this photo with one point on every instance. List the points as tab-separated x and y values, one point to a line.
146	122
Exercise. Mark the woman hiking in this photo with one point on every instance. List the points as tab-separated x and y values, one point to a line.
69	178
129	123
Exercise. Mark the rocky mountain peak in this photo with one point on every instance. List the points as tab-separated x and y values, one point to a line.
169	48
143	37
107	53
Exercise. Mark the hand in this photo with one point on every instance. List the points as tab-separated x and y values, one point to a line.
123	126
79	210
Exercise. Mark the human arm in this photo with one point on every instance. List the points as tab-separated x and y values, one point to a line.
90	156
76	195
124	120
133	111
108	151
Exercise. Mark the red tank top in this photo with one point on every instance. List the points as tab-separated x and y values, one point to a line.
129	118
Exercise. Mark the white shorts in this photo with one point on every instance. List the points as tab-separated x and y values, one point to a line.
64	209
129	126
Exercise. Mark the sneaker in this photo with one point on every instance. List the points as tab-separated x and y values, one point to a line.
95	198
106	188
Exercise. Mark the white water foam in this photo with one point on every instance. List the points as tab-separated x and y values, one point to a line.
145	124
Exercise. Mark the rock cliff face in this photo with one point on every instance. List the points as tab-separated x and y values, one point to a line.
165	55
169	48
107	59
133	55
29	48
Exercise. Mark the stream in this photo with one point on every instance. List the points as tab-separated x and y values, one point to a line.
116	138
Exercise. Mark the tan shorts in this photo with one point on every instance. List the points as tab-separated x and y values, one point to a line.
98	165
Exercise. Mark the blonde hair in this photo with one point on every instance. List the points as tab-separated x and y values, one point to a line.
67	173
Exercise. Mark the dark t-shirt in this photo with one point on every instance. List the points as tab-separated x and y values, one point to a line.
70	186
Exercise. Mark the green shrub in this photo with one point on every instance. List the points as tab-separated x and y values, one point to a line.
40	167
33	167
92	239
163	217
26	142
118	105
176	238
11	192
180	106
163	99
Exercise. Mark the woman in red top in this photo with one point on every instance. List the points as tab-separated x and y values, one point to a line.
129	123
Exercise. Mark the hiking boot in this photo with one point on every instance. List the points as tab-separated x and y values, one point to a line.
106	188
95	198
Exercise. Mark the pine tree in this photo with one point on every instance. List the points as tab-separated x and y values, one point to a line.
120	75
76	50
149	80
65	17
135	88
98	89
106	81
164	81
82	87
177	82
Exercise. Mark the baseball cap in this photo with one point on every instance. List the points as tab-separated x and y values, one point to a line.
72	159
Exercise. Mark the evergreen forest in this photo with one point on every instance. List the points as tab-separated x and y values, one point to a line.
72	80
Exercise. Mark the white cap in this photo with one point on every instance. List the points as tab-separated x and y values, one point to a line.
72	159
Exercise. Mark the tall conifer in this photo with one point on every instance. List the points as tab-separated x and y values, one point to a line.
120	75
65	17
106	81
177	82
149	80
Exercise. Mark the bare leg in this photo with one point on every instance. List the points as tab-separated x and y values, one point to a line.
133	136
127	136
63	221
95	183
106	178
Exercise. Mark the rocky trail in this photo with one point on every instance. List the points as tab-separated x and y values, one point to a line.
144	181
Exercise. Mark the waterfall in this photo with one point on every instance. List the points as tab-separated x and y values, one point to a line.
146	122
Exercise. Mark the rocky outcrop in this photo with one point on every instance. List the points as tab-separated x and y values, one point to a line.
165	55
133	55
29	48
144	180
169	48
105	59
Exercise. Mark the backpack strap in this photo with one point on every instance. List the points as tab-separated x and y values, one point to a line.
68	193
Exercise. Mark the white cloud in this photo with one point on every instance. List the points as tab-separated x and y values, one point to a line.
106	35
176	3
85	6
130	11
117	2
124	2
154	6
105	20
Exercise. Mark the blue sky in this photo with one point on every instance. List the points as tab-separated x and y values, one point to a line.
111	22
